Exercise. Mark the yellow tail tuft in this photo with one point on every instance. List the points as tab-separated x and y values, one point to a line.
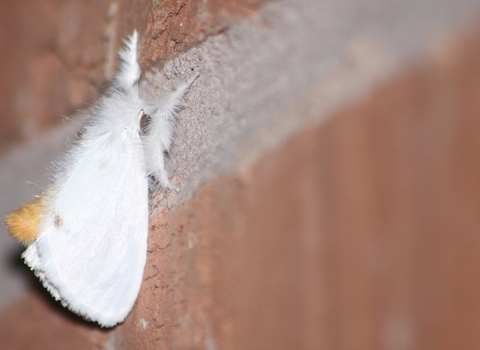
23	223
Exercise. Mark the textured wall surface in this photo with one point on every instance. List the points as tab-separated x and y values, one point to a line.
328	161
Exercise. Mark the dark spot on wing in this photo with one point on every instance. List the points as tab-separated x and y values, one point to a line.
57	221
102	165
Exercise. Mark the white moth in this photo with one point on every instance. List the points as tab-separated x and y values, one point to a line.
89	248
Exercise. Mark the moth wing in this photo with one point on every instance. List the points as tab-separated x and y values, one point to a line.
91	248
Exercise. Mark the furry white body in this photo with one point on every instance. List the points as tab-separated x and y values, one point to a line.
91	246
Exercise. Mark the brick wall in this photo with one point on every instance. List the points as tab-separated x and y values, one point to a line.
344	216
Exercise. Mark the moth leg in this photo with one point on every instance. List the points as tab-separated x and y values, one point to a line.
158	139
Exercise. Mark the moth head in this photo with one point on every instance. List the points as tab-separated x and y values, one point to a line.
145	123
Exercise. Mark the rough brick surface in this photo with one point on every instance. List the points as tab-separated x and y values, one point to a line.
57	56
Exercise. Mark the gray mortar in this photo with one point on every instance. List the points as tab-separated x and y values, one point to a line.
288	66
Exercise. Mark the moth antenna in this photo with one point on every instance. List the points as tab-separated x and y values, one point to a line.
129	71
